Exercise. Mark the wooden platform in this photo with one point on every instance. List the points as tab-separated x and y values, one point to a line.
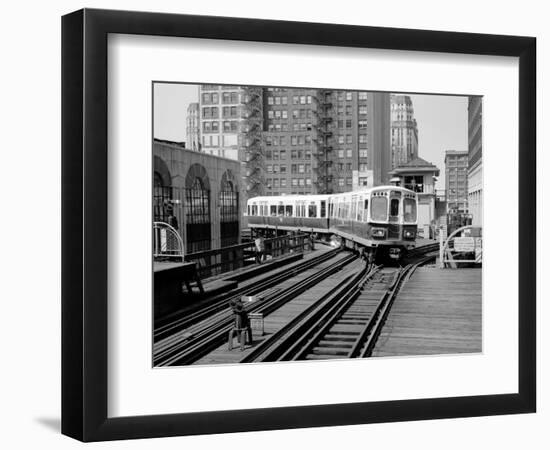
438	311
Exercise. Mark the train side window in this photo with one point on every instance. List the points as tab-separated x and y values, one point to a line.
312	210
323	208
254	210
273	210
366	209
281	210
288	210
379	208
248	209
394	207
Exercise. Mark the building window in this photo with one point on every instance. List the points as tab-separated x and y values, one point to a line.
362	95
348	96
362	110
340	153
362	138
349	139
341	182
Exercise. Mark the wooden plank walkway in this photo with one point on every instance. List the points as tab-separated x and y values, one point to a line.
280	317
438	311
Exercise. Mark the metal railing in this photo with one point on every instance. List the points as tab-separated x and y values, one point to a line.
457	250
167	243
210	263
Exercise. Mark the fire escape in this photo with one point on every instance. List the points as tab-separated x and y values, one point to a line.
253	141
322	141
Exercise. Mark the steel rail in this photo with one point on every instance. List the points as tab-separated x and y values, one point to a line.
189	350
219	302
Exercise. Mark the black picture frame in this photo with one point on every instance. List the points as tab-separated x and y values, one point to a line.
84	224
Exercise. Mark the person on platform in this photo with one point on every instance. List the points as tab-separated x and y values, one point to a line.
260	248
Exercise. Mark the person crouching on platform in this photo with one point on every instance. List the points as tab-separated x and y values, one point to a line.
241	317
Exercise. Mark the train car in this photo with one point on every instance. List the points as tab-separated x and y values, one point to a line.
380	221
289	212
383	220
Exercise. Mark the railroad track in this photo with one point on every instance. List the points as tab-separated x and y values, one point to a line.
185	319
345	323
188	346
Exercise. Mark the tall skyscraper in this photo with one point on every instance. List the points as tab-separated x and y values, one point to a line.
379	137
475	161
193	127
456	181
321	140
299	141
290	115
404	130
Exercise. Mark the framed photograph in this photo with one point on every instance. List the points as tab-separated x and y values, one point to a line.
273	225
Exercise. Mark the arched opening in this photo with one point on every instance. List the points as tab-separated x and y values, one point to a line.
229	211
197	210
162	192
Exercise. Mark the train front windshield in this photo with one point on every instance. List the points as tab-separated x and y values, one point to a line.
379	209
409	210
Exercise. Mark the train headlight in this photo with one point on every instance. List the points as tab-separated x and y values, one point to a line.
378	233
408	234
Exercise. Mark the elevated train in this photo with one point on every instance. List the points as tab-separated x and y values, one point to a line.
379	222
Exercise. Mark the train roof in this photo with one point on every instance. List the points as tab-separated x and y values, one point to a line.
376	189
311	197
289	197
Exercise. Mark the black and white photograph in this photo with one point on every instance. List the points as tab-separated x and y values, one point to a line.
308	223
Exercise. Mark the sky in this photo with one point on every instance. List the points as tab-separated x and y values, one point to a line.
170	102
442	121
442	125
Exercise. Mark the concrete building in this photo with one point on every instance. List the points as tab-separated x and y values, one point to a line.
201	191
193	127
419	176
404	130
456	181
475	160
221	119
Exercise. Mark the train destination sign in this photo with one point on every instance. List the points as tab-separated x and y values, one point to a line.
464	244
